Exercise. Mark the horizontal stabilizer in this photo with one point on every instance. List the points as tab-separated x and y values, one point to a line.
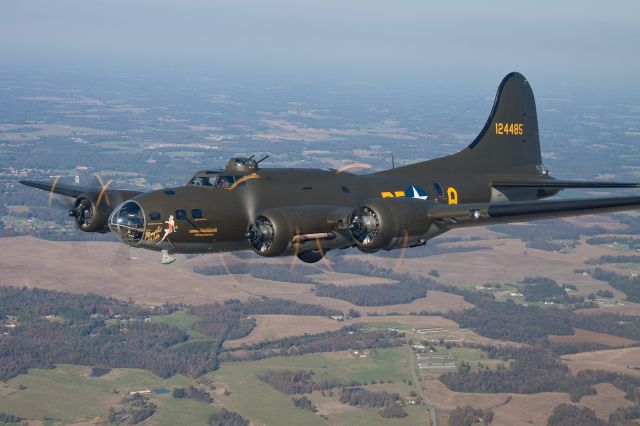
463	215
562	184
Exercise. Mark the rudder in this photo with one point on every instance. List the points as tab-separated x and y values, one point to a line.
509	140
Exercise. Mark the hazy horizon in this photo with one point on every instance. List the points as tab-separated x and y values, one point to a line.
572	43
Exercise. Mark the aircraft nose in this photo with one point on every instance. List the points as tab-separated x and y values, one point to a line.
127	222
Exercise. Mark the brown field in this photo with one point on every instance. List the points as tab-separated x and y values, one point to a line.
271	327
522	410
624	361
624	308
606	401
586	336
105	268
497	265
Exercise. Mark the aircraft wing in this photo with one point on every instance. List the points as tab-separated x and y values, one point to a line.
561	184
451	216
74	190
62	189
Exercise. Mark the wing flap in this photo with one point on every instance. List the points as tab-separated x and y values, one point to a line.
472	214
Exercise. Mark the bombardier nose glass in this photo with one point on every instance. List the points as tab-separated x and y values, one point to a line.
127	221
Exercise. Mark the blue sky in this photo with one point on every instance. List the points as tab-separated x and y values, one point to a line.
569	41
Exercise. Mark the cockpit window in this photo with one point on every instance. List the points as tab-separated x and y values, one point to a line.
225	181
203	180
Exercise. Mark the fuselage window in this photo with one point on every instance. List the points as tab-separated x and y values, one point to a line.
181	214
170	192
345	189
154	216
196	213
439	191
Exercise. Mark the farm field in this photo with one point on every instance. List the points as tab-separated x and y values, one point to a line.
263	404
67	394
518	409
624	361
587	336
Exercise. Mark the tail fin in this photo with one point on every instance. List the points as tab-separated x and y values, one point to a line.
509	139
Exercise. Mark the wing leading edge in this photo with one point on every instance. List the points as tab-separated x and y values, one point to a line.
473	214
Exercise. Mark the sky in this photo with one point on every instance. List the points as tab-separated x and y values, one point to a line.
570	42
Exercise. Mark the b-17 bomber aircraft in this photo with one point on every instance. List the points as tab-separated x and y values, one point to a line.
498	178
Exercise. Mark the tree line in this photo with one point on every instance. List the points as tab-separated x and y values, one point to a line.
350	337
54	327
375	295
191	392
389	403
536	369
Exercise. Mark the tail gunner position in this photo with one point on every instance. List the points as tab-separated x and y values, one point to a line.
498	178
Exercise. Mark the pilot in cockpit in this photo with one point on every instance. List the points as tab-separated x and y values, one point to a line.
201	180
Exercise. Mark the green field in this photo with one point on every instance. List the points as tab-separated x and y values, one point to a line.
263	404
67	394
182	320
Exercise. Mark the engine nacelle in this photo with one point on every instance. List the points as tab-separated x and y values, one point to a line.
388	223
88	214
272	231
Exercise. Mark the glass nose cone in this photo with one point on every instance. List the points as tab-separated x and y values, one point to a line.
127	222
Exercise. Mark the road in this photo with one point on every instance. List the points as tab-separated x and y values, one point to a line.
431	411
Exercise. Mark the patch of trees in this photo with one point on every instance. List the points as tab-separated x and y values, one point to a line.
608	323
613	259
533	370
560	349
351	337
9	418
225	417
629	285
623	414
633	243
92	330
496	320
135	408
99	372
375	295
469	416
357	396
546	230
263	271
536	369
538	289
35	303
191	392
629	384
571	415
304	403
297	382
